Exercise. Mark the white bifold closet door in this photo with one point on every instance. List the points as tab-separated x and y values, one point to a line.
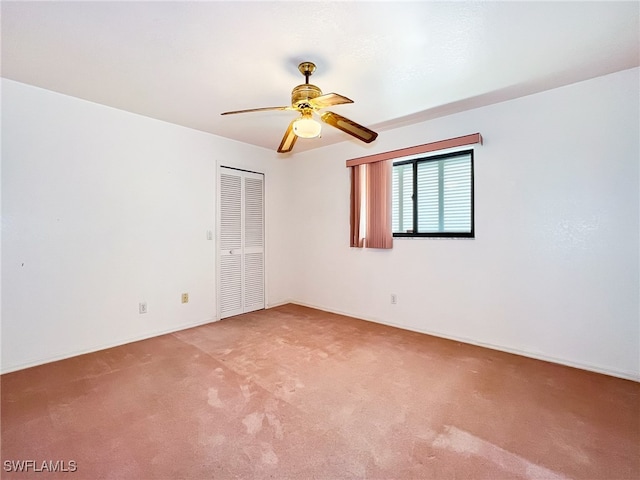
241	233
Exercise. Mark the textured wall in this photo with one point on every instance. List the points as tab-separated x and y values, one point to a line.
553	270
103	209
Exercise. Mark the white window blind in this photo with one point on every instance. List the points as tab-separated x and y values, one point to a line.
402	194
443	200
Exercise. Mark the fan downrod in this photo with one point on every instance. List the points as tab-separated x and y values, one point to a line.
307	69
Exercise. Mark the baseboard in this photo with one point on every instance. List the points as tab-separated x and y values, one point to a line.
97	348
633	376
592	368
278	304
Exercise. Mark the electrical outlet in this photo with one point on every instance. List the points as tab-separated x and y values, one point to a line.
185	298
394	299
142	307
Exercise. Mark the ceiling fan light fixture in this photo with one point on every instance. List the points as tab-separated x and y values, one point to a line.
308	99
306	127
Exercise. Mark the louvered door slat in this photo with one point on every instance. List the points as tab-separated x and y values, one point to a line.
253	213
230	212
231	285
254	283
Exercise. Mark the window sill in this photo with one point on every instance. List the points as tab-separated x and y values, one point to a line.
420	237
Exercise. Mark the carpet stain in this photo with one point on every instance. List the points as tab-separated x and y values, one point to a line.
216	440
275	423
253	422
269	457
467	444
214	401
261	456
246	393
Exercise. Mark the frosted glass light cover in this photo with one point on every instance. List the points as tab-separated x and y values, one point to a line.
306	128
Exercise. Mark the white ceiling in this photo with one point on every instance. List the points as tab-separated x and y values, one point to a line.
186	62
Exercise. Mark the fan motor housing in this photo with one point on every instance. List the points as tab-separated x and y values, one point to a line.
303	93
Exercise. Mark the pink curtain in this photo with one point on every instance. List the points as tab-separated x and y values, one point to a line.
371	189
378	233
356	204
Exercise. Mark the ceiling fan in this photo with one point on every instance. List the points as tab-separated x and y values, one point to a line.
308	99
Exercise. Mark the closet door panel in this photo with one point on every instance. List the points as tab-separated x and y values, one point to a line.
241	242
253	242
230	224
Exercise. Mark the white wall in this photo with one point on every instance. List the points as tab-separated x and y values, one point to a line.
553	270
102	209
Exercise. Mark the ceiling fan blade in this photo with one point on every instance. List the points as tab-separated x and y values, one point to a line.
329	100
256	110
289	139
349	126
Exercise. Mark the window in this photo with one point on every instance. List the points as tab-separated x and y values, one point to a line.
433	196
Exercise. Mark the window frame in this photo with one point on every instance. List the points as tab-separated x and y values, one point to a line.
435	158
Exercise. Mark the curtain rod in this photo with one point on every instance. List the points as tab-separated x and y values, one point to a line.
418	149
